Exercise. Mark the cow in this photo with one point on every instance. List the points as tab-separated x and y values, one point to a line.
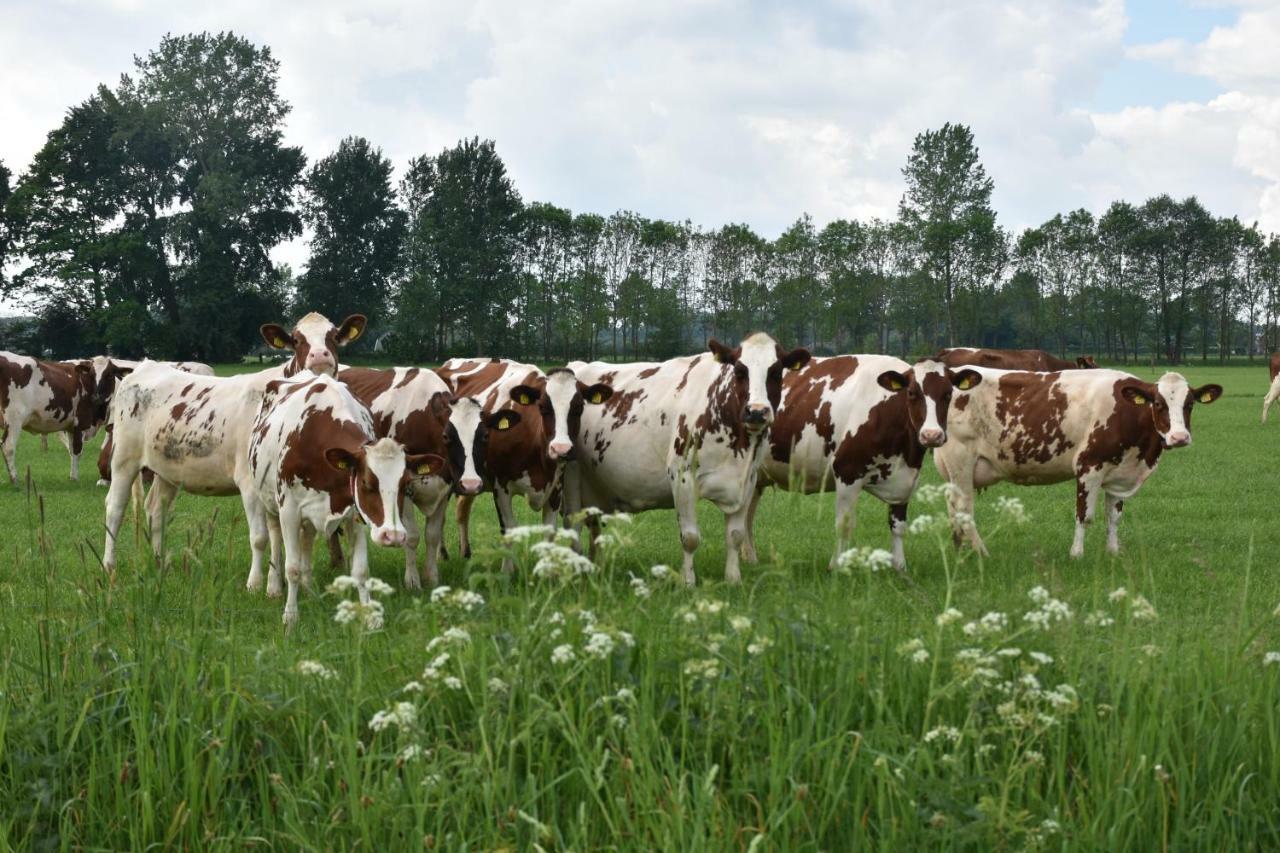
42	397
415	407
1274	391
192	432
1012	359
853	422
315	462
529	459
1103	428
683	429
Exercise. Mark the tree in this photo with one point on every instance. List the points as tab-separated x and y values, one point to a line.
464	224
6	229
947	209
350	205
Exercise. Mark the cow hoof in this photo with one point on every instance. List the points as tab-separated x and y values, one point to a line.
1113	547
411	580
749	555
1076	553
103	483
253	584
466	552
290	619
274	590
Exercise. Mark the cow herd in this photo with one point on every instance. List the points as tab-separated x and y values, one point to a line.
312	447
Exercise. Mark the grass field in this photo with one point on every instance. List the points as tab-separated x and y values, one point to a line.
801	710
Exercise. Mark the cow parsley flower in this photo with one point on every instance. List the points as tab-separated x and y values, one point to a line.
498	686
453	682
740	624
640	589
992	622
370	614
1099	619
914	650
315	669
709	606
934	492
948	616
563	654
864	557
451	637
522	534
1012	510
558	562
401	715
440	593
661	573
922	524
1041	658
1270	657
1117	594
759	646
411	753
1142	610
599	645
950	733
377	586
343	583
412	687
707	669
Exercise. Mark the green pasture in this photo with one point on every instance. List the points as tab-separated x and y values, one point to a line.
615	710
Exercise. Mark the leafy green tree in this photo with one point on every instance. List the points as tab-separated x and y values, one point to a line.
6	228
357	231
947	209
464	226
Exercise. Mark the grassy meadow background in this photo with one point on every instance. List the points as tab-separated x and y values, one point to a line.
801	710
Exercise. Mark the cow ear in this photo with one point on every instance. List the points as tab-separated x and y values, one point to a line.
423	464
595	394
722	353
502	420
795	359
892	380
525	395
341	458
84	368
1206	393
351	329
439	404
1137	396
276	337
966	379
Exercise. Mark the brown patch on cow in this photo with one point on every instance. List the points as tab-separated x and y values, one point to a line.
684	380
186	390
423	430
409	375
12	375
1030	408
176	411
472	378
1006	359
961	403
303	461
1128	427
620	405
1275	365
648	371
887	433
803	405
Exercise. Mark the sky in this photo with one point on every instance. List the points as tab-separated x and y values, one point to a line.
723	112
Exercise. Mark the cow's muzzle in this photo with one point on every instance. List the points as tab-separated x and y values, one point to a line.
758	416
469	486
560	450
933	437
1181	438
388	536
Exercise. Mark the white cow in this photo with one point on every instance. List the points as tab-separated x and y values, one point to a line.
1102	428
676	431
192	431
315	462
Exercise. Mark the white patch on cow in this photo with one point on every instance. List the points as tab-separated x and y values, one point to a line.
759	353
465	418
561	386
1174	389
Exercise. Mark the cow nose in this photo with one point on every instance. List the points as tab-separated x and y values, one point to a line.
932	437
1181	438
559	449
759	413
388	536
470	485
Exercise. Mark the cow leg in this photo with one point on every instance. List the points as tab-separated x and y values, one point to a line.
412	536
259	538
1114	507
735	535
749	541
9	446
506	521
898	527
360	567
75	444
117	502
1273	393
463	515
960	505
104	461
686	501
1086	503
435	543
275	569
159	502
846	516
291	535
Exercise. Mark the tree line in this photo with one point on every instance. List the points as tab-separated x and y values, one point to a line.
145	222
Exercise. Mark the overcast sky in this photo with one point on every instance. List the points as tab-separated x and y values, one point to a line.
734	112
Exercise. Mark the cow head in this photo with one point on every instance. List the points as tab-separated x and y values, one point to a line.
560	399
106	373
1086	362
467	436
1170	401
757	365
314	341
380	474
928	386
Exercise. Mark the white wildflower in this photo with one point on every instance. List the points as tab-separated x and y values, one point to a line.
1008	653
1151	650
556	618
626	639
625	694
316	670
707	668
587	617
431	780
412	687
1033	757
661	573
709	607
402	715
616	518
864	557
440	593
563	654
347	612
618	721
412	752
759	646
740	624
343	583
950	733
1099	619
558	562
920	656
1142	610
932	493
1041	658
599	645
1038	594
377	586
351	611
926	523
1049	826
453	682
948	616
640	589
497	685
526	532
1063	697
1011	509
1270	658
992	622
1117	594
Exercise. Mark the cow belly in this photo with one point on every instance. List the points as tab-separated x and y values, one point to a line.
40	423
987	472
1125	479
893	480
809	471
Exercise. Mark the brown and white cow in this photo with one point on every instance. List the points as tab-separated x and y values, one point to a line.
315	462
1011	359
1103	428
529	459
192	432
42	397
854	422
415	407
676	431
1273	393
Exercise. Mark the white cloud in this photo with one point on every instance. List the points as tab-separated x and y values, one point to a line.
713	110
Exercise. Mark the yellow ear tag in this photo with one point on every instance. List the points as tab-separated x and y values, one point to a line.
524	400
279	343
897	384
1139	400
597	397
795	366
424	468
342	464
966	383
1206	397
504	423
353	333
